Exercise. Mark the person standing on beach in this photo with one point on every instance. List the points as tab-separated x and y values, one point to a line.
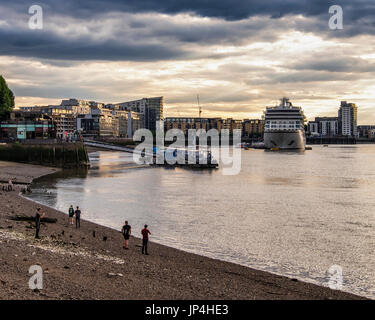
10	185
38	217
126	231
145	232
71	215
78	217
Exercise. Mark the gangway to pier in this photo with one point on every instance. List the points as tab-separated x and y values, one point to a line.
109	146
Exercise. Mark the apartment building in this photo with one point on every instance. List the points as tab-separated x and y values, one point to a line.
366	131
152	110
23	125
125	123
253	127
323	126
347	119
186	123
105	122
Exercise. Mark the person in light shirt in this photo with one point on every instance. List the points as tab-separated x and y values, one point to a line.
10	185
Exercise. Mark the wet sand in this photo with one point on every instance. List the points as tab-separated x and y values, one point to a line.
77	265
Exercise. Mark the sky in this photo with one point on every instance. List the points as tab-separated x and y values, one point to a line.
239	56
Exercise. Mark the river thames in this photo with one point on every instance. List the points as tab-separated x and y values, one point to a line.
294	214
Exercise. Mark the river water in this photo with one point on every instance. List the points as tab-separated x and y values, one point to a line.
294	214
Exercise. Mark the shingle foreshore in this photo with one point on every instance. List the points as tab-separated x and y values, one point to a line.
77	265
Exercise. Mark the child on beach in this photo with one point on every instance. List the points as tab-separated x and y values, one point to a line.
38	217
145	232
71	215
126	231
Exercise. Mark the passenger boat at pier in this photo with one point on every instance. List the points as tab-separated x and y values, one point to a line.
175	157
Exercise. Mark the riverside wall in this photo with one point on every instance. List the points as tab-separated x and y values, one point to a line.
62	155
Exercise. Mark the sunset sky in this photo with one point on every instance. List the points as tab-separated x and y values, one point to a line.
240	56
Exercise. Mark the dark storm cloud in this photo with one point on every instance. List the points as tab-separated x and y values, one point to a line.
153	40
125	37
203	33
47	45
227	9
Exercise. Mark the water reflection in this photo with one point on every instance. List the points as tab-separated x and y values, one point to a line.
290	213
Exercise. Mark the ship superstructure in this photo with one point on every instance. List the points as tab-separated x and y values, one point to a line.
284	127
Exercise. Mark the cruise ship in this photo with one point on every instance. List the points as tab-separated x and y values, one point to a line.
284	127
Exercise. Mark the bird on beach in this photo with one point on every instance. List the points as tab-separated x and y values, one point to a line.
105	238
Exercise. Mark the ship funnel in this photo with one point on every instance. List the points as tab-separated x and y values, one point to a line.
285	102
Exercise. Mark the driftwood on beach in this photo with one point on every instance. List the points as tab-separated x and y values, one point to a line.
5	182
32	219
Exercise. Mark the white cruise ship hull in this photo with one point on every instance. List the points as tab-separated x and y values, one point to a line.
285	140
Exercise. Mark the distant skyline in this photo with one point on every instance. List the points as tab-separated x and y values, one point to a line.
239	56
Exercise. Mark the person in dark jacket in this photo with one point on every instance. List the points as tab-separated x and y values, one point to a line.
126	232
145	232
38	216
71	215
78	217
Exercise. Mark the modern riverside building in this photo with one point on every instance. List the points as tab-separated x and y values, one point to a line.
152	110
23	125
97	123
347	119
32	108
79	106
125	123
64	119
135	122
312	128
75	102
104	122
366	131
343	125
91	118
252	128
230	124
186	123
323	126
64	115
88	125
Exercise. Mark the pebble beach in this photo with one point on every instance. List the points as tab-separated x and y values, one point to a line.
90	262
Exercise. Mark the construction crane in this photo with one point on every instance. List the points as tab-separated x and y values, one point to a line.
199	106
